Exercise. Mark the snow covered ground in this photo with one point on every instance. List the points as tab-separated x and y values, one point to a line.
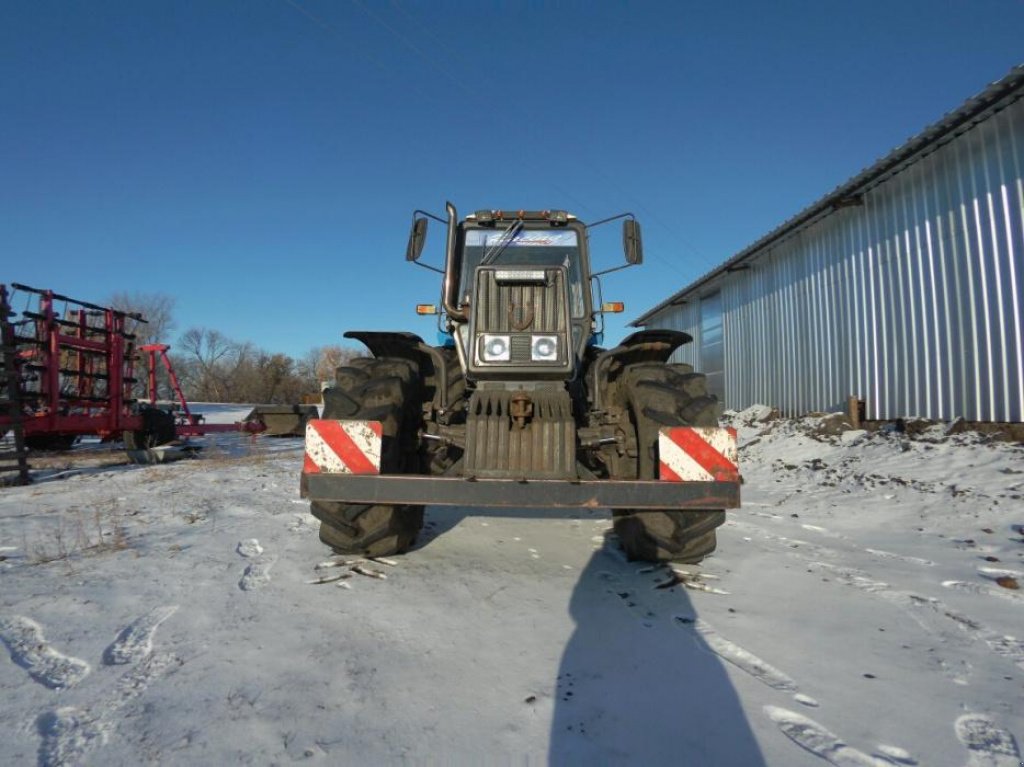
860	610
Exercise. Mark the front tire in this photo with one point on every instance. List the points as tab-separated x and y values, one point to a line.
385	390
666	395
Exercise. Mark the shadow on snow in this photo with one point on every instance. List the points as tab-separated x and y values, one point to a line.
636	683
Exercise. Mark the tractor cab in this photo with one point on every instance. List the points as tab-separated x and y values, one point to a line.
516	294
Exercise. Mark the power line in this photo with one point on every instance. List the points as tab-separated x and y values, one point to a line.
334	32
477	115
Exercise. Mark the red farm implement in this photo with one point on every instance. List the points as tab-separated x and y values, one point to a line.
73	372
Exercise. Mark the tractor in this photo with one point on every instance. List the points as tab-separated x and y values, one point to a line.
519	406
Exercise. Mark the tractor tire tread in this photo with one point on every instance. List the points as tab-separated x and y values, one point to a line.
375	389
666	395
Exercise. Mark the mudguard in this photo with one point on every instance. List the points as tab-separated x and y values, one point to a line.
654	345
408	346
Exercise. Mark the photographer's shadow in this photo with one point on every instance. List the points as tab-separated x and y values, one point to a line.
637	684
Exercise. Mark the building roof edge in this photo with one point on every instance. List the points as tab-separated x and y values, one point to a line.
974	110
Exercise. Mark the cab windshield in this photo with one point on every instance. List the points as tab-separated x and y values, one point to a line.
527	247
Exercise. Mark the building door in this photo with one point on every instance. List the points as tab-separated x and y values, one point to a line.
712	348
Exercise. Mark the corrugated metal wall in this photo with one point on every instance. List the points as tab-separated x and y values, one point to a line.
911	301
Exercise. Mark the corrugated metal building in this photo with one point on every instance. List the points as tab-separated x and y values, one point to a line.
902	287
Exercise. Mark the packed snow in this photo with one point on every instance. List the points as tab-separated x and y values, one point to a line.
863	608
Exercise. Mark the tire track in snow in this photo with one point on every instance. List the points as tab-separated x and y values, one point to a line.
821	742
1004	646
958	672
795	545
30	650
745	660
988	744
858	579
982	590
135	641
998	574
800	729
792	545
900	557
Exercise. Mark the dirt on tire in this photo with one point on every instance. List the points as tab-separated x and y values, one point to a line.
666	395
385	390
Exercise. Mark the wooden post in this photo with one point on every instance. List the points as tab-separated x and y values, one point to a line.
853	410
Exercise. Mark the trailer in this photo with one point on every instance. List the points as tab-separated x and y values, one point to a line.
74	370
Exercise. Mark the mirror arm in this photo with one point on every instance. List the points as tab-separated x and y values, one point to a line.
428	215
415	217
613	269
613	218
428	266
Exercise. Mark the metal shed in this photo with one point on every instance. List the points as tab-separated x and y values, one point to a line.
902	287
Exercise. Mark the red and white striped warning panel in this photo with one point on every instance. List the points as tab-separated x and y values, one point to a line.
342	447
697	454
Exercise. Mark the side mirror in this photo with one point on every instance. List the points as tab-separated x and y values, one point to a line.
631	242
417	237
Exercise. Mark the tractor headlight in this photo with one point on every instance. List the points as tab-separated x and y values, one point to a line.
544	349
496	348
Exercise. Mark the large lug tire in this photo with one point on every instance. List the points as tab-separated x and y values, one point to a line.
666	395
666	535
385	390
46	443
370	531
157	429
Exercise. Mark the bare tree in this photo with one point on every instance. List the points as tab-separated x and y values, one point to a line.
213	367
156	308
318	365
216	358
264	378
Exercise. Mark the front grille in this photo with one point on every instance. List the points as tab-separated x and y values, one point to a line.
521	348
520	311
510	308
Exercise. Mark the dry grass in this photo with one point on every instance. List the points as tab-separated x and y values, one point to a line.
78	532
82	459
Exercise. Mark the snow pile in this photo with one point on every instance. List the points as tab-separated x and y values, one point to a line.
863	608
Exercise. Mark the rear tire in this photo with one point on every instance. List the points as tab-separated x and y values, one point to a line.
157	429
385	390
666	395
50	443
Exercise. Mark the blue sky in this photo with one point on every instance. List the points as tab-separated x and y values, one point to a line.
259	160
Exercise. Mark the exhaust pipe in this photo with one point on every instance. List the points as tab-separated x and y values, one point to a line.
448	296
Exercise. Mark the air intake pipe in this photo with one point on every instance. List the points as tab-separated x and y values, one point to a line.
449	297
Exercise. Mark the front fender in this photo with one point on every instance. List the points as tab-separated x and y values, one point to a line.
408	346
654	345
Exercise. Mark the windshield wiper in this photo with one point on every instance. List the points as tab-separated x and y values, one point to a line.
495	250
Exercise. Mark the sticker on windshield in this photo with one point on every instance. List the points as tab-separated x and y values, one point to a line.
524	238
